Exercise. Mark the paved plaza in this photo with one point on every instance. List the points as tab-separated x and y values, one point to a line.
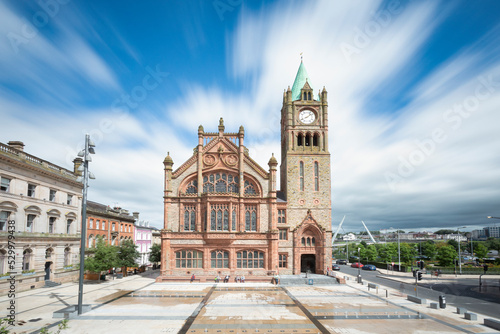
139	305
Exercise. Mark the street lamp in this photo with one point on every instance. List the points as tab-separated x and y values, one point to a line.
493	217
459	254
85	154
359	265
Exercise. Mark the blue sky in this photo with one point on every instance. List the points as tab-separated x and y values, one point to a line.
414	94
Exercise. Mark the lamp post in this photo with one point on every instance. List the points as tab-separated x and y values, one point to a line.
85	154
459	254
359	265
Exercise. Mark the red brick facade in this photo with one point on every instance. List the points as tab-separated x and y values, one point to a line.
114	225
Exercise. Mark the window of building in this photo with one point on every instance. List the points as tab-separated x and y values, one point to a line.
316	176
4	219
91	241
219	217
113	240
192	187
68	226
220	183
121	228
233	220
316	140
251	218
301	175
281	217
31	190
309	96
30	219
67	256
27	254
4	184
283	263
113	227
300	140
189	218
69	199
308	241
249	188
219	259
52	195
189	259
52	222
250	259
3	261
283	234
91	223
307	140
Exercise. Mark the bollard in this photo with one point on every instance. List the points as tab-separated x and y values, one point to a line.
386	293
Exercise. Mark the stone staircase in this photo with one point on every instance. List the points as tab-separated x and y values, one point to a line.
50	284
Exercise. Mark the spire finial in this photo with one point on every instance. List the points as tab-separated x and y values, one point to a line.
301	57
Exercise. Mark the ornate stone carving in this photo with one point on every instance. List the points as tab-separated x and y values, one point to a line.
231	160
209	160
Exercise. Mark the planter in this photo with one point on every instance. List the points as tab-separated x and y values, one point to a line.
92	277
28	274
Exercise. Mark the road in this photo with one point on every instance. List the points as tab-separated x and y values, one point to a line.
460	292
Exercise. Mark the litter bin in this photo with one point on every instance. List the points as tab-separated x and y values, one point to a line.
119	275
360	279
442	301
310	281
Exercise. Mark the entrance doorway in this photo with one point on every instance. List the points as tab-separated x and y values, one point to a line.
47	270
308	263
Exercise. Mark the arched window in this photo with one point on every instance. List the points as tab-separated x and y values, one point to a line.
316	140
220	183
250	259
192	187
52	223
219	259
308	241
3	261
305	96
307	138
316	176
251	218
301	175
303	241
189	218
189	259
68	226
233	220
30	221
91	241
313	241
309	96
300	140
249	188
27	255
219	217
67	256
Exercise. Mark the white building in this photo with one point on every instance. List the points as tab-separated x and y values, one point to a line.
42	201
349	237
456	237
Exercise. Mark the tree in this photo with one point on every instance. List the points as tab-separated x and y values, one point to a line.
446	254
127	254
389	252
445	231
369	252
429	249
155	255
363	243
105	257
407	252
454	243
481	250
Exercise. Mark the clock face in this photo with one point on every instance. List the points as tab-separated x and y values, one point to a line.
307	116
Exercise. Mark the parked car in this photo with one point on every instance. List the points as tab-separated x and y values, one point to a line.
369	267
341	261
335	267
357	265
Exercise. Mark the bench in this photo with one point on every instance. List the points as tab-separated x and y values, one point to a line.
416	299
470	316
434	305
461	310
493	323
340	280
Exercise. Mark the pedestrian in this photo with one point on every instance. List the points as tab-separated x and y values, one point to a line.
242	278
237	279
226	279
192	278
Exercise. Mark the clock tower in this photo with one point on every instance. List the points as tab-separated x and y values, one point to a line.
305	173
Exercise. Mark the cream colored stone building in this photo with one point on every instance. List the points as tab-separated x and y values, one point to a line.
42	204
223	213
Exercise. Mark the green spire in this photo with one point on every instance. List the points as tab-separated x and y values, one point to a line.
300	81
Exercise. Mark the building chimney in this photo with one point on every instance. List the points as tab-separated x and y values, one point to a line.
18	145
77	163
136	215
